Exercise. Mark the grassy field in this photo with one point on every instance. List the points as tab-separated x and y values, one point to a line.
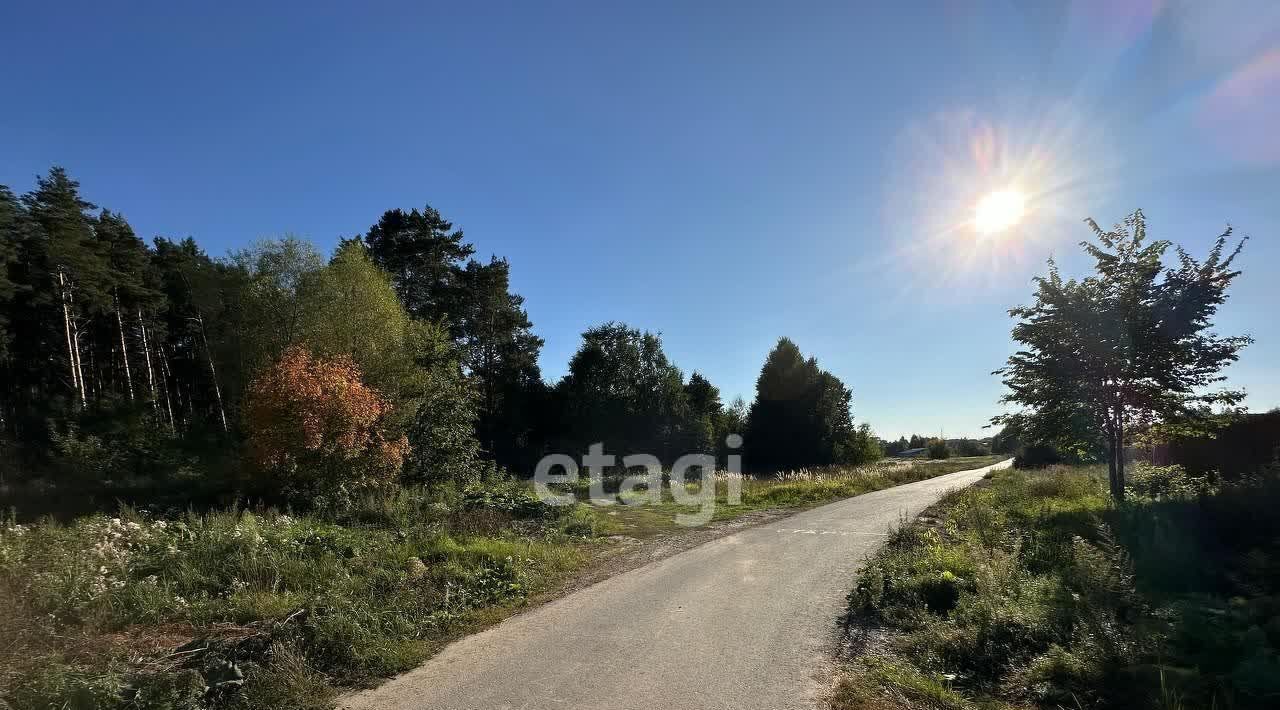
263	609
1033	590
791	490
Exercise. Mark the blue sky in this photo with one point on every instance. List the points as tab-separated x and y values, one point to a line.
725	173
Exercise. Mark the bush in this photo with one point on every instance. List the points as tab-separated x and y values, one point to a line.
445	449
318	431
860	447
1144	480
511	498
1037	456
938	449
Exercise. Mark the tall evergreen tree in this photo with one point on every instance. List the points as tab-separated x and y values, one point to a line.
132	288
17	233
801	415
434	276
14	229
73	262
500	352
198	339
422	252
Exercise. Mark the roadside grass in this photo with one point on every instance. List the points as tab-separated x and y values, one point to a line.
635	516
1033	590
262	609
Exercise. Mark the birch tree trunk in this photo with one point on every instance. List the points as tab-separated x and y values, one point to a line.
75	348
213	373
146	353
66	324
164	383
80	367
124	349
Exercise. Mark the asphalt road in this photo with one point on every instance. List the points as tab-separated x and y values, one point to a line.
744	622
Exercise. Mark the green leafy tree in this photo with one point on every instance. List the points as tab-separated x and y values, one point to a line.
443	435
732	421
1128	345
273	301
861	446
971	447
622	390
349	308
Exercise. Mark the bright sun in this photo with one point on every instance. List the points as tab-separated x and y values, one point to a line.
999	210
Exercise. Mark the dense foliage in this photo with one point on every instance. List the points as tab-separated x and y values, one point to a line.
623	391
801	416
128	370
318	429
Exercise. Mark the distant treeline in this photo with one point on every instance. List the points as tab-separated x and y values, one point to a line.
958	447
128	364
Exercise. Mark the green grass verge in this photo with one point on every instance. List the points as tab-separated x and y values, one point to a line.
1035	591
237	609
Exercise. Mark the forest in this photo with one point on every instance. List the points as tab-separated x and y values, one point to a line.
154	371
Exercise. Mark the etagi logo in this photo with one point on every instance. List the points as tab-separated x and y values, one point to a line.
646	488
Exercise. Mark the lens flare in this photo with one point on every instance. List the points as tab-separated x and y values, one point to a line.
975	196
999	211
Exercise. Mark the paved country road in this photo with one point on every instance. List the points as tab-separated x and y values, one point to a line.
744	622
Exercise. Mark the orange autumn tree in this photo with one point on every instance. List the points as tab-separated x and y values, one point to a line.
317	429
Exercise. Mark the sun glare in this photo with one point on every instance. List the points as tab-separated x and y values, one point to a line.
999	210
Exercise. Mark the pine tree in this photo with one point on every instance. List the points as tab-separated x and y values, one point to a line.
801	415
132	287
422	254
75	265
14	228
197	341
500	352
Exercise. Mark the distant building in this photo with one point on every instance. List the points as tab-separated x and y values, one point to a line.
910	453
